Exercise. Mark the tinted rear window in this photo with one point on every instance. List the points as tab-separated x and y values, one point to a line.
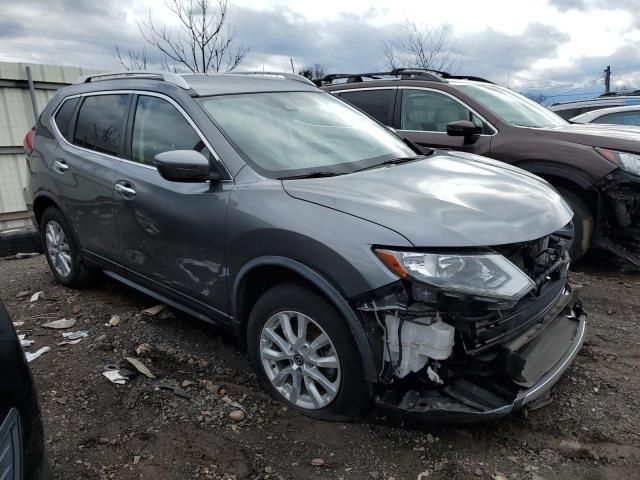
100	124
377	103
63	117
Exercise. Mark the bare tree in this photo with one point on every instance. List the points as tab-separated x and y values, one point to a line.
132	60
315	72
422	46
202	44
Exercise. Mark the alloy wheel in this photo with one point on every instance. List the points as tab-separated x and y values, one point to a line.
58	248
300	360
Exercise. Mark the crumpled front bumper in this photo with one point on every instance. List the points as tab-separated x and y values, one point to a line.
446	404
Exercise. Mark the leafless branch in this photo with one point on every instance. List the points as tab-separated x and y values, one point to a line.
201	43
422	46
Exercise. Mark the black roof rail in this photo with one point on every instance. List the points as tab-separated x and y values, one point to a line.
425	74
404	73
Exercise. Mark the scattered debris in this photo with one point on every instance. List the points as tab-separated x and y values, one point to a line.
178	391
136	459
233	403
187	383
60	324
237	415
69	342
155	310
99	339
22	294
37	296
18	324
20	256
143	349
114	376
61	400
141	367
113	321
24	342
31	356
317	462
76	309
75	335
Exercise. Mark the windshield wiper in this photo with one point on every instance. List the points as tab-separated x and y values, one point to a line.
393	161
316	174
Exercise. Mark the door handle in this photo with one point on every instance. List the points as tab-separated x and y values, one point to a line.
125	191
60	166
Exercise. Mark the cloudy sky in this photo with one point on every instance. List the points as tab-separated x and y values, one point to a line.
554	47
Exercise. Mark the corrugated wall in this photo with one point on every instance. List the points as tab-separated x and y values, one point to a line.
16	118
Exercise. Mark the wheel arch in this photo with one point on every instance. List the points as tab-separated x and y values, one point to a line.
260	274
571	179
40	205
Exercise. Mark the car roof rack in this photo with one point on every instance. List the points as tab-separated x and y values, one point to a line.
424	74
168	77
286	75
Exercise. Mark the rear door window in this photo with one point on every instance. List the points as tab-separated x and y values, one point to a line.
378	103
159	127
101	123
63	116
430	111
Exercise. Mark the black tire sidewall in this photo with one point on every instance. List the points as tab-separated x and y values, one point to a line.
77	275
353	397
581	216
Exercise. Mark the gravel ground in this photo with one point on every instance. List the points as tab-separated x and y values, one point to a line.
178	426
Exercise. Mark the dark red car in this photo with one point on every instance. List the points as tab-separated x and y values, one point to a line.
595	167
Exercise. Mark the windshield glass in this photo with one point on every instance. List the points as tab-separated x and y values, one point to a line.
296	133
512	107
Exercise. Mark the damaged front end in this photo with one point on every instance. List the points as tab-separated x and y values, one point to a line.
466	335
618	225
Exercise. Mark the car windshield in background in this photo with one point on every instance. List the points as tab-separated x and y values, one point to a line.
290	134
512	107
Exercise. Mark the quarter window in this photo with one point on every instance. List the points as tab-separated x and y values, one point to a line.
159	127
63	117
430	111
620	118
378	103
100	124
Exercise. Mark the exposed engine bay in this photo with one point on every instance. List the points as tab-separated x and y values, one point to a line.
619	207
466	355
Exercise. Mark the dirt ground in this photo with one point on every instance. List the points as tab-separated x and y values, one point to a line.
178	426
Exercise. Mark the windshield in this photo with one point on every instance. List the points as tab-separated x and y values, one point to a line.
296	133
512	107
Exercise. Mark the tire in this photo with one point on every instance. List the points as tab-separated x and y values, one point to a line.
70	270
352	395
582	223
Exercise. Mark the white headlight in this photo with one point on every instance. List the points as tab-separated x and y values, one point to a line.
490	275
629	162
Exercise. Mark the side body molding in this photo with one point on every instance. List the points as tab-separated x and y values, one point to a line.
324	286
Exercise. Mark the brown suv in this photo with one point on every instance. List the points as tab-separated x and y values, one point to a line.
595	167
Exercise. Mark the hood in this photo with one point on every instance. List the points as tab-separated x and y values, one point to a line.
615	137
445	200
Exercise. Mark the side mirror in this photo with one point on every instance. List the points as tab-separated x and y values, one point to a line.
184	166
464	128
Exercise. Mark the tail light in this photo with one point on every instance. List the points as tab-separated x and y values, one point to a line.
29	140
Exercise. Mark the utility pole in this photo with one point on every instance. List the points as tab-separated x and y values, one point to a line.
607	79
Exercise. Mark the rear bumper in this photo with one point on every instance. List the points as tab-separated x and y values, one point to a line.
455	403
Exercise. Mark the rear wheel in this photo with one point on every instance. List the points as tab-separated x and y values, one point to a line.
581	223
305	355
63	254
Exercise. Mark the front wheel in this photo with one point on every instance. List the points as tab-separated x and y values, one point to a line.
305	355
582	224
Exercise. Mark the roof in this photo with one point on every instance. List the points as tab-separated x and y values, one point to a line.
613	100
229	83
593	114
197	84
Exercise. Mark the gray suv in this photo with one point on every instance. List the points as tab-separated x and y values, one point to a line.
356	269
